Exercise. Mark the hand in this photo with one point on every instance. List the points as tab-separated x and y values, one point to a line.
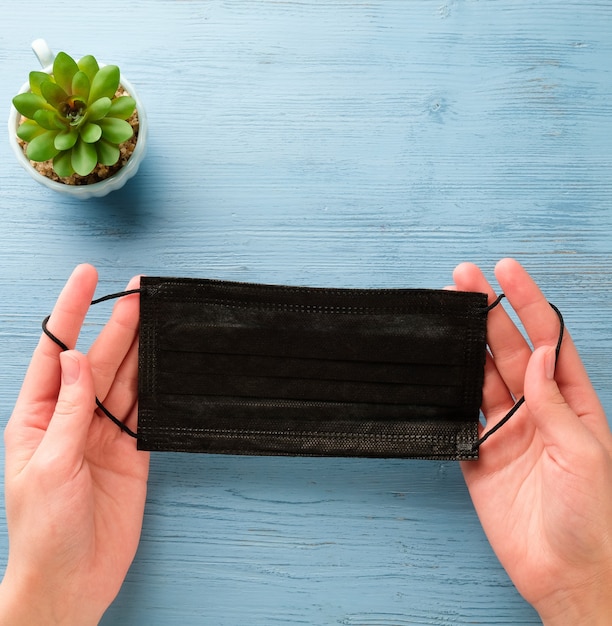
543	485
75	483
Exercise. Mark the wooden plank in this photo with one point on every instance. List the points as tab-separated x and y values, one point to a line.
345	143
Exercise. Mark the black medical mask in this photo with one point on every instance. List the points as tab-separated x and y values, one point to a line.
239	368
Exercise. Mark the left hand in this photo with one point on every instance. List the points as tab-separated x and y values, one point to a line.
75	483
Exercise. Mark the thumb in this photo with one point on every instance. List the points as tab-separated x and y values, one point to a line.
557	423
66	435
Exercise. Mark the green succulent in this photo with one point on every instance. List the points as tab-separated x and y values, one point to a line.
73	116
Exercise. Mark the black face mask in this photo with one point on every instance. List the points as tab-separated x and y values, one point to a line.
240	368
255	369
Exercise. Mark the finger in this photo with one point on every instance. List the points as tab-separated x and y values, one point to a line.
562	432
38	394
542	326
115	340
496	397
534	310
64	442
121	399
508	346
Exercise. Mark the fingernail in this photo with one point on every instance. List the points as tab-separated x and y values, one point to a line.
550	362
71	368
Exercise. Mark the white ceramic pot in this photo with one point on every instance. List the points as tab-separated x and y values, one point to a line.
95	190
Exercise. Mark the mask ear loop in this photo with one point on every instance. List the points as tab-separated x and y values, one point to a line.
519	403
64	347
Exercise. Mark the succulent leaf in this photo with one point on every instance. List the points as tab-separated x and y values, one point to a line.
108	153
53	94
42	148
28	103
64	69
66	139
62	164
115	130
90	133
81	85
89	65
122	107
48	120
28	130
104	83
98	109
84	157
36	78
73	117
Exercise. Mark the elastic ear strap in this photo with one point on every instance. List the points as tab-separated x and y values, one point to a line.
64	347
519	403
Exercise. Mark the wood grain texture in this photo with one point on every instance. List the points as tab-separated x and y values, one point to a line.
345	143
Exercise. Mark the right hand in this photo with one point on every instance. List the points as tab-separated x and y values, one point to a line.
543	485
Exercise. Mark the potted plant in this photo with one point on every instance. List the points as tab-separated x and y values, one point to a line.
77	126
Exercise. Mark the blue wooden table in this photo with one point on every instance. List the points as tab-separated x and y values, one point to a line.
333	143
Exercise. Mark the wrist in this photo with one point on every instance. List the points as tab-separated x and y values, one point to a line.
591	605
24	604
